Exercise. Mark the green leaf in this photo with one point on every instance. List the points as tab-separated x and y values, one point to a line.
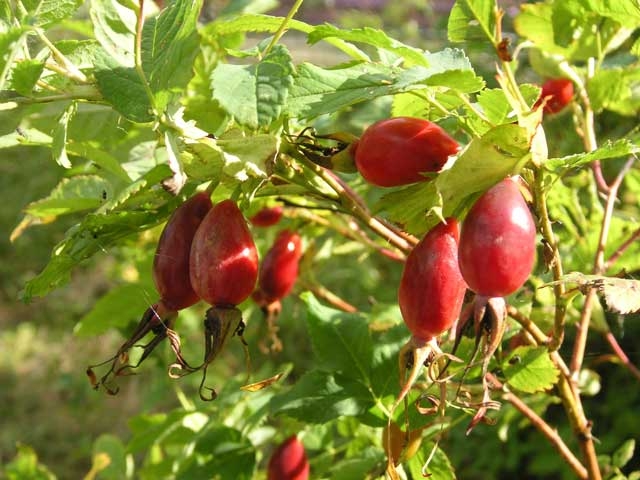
317	91
122	87
119	307
83	192
438	468
370	36
500	152
44	13
255	94
59	143
624	453
265	23
358	466
114	26
224	451
341	341
472	20
24	76
97	231
148	430
170	44
530	370
319	397
11	43
25	465
112	448
612	149
616	90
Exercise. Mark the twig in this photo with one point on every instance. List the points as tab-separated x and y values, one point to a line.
598	268
543	427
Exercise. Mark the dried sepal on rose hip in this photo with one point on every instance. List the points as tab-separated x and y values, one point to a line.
171	278
402	150
223	268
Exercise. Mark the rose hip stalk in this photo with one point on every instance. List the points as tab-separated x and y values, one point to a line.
171	277
278	274
223	267
496	256
289	461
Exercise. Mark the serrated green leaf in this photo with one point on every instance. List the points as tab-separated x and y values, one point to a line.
616	90
114	27
122	87
79	52
616	149
59	138
370	36
246	157
317	91
500	152
341	341
98	231
11	42
472	20
24	76
319	397
44	13
83	192
255	94
530	370
170	44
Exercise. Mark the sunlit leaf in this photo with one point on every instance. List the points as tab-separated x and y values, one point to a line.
530	370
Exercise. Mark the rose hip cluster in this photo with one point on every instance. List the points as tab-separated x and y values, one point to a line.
492	255
205	252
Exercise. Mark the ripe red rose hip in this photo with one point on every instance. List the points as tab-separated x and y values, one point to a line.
398	151
279	269
267	216
223	263
289	461
431	288
558	92
171	261
498	242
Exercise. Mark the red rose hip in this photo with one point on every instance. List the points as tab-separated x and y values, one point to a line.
558	92
223	262
498	242
398	151
431	287
289	461
171	261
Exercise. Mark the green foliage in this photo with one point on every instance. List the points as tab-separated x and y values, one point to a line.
138	107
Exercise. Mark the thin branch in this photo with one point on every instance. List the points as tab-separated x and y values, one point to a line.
543	427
